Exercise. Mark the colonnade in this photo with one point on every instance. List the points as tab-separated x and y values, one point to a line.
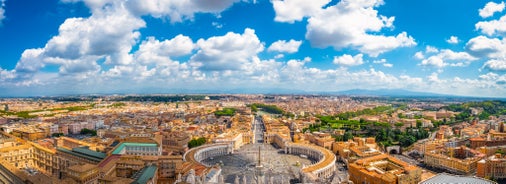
324	166
199	154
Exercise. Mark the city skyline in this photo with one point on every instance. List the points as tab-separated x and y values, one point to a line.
115	46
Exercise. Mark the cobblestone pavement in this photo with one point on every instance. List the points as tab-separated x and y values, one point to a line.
277	165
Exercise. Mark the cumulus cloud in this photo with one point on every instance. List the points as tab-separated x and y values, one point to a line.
431	49
101	44
482	46
493	49
228	52
291	46
294	10
439	60
348	60
491	8
383	62
175	11
106	35
348	24
154	51
2	11
419	55
453	40
492	27
494	64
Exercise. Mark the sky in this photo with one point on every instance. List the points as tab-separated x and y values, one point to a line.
65	47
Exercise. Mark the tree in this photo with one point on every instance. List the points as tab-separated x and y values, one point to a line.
196	142
418	123
57	134
347	136
225	112
85	131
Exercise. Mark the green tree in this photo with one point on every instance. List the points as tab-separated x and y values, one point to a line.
57	134
86	131
225	112
418	123
196	142
347	136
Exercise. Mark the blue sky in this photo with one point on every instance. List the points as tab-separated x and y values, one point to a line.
57	47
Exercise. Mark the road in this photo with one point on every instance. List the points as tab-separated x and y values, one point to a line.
258	129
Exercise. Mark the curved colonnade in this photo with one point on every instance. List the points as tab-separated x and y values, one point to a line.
198	154
324	167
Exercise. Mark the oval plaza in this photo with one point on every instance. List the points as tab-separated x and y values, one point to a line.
320	165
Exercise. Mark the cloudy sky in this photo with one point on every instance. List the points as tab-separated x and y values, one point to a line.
56	47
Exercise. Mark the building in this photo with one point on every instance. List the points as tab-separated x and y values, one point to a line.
138	149
77	156
30	133
357	148
383	169
83	173
146	176
75	128
447	178
320	139
175	141
492	167
15	151
460	160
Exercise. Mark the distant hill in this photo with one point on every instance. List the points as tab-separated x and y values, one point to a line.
390	92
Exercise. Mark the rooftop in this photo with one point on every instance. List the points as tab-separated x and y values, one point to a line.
144	175
447	178
123	145
84	152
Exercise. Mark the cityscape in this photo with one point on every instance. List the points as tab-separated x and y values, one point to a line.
252	139
252	92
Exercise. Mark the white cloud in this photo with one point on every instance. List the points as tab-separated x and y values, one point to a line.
388	65
348	24
217	25
2	11
431	49
381	61
496	65
228	52
100	45
434	61
492	48
291	46
294	10
453	40
440	59
152	50
492	27
491	8
482	46
451	55
177	11
419	55
348	60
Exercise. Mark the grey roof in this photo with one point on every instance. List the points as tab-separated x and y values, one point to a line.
90	155
454	179
86	150
142	176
